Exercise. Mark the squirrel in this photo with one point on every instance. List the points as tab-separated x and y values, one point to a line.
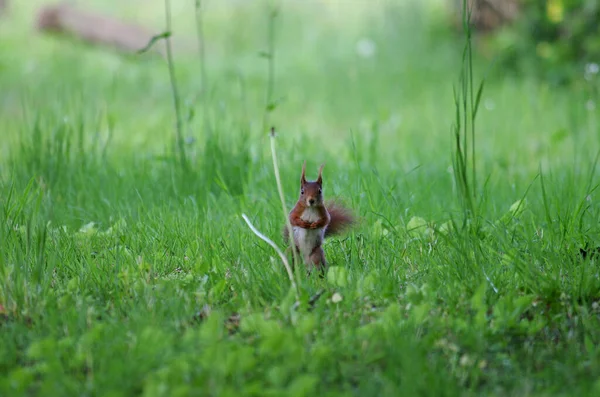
313	220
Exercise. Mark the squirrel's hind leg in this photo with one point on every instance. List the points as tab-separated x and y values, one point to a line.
317	260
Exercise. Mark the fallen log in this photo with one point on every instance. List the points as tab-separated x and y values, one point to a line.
91	27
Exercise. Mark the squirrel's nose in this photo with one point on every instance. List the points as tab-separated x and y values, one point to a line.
311	201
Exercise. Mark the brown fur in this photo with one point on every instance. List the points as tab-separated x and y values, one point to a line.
341	219
332	216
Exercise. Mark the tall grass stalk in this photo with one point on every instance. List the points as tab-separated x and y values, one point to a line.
202	53
166	36
288	225
174	89
279	252
270	105
466	102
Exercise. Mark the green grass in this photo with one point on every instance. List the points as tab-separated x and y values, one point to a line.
122	274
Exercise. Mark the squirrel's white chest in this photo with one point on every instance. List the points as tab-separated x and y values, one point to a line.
310	215
308	239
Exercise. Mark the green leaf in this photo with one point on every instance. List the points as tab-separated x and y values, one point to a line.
517	208
337	276
416	226
153	40
559	135
477	99
479	305
589	345
306	324
303	385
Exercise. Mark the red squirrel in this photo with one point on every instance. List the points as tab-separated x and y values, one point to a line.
313	220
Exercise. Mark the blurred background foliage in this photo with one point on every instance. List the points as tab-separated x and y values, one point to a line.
555	40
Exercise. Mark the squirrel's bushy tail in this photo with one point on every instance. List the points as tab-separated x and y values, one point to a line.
341	218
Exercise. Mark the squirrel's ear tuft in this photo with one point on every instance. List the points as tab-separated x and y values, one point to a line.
320	178
303	176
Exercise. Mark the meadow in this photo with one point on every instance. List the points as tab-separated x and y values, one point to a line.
126	267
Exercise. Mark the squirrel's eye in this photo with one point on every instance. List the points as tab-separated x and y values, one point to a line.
319	191
301	191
